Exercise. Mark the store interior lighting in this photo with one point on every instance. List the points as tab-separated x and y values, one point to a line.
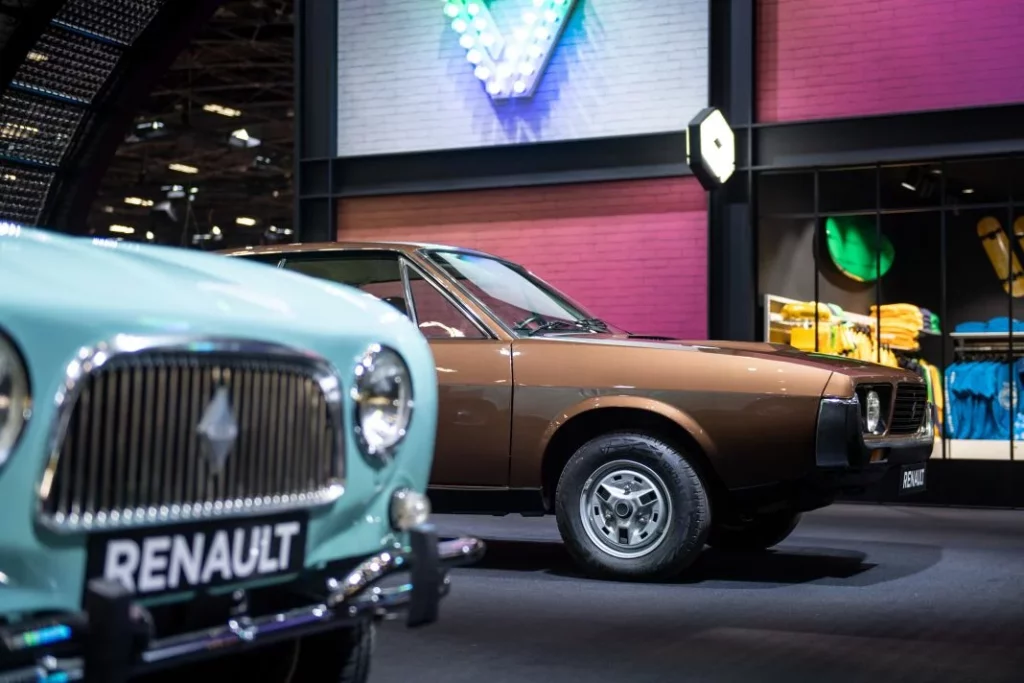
183	168
122	229
241	138
245	220
138	201
221	110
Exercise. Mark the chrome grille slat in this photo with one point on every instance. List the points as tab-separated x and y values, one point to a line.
910	406
126	450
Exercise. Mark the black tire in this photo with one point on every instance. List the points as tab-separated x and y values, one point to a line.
688	521
760	533
336	656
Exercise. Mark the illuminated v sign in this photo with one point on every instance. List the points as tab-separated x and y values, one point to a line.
509	66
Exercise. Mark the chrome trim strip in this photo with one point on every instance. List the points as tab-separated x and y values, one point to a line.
90	359
447	296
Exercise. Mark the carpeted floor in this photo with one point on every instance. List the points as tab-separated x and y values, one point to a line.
858	593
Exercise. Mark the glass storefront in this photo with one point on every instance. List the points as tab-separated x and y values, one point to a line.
918	265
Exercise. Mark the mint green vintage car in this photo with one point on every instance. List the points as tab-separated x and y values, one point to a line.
202	458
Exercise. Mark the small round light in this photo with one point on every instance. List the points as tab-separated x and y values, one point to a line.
872	412
504	70
494	87
467	41
541	33
519	87
451	10
526	69
550	16
535	51
475	56
480	24
482	72
473	9
409	509
460	25
529	18
521	34
487	39
538	3
512	52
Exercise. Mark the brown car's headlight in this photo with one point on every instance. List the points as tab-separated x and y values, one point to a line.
872	412
383	398
15	399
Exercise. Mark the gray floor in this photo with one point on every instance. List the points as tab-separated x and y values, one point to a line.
857	593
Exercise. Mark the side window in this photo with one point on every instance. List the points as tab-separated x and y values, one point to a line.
376	274
438	318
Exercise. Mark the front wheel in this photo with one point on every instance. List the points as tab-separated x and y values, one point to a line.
759	533
630	506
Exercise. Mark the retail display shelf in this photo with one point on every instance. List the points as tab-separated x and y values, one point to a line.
978	449
985	335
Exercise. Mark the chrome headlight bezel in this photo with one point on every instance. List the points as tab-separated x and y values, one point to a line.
873	403
380	449
16	393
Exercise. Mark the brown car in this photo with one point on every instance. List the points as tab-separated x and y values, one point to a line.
645	448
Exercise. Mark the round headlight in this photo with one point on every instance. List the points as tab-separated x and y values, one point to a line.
383	401
15	401
872	412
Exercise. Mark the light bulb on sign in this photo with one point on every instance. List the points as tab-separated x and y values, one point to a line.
529	18
512	52
526	69
535	50
541	33
550	16
519	87
475	56
480	24
460	26
504	70
494	87
521	34
451	10
473	9
467	41
482	72
487	40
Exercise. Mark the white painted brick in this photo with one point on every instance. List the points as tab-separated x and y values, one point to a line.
623	67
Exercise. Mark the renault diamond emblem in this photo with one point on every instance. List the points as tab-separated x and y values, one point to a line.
218	431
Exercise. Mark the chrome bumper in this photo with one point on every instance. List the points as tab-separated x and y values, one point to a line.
111	641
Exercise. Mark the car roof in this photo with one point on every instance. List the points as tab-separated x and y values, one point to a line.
306	247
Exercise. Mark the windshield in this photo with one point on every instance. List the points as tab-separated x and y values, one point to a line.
525	304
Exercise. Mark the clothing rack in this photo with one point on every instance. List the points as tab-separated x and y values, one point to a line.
991	343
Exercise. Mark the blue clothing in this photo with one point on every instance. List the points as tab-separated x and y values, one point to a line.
983	400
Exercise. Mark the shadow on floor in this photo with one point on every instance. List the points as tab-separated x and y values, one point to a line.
786	565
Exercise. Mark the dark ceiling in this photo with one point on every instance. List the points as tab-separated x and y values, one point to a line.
240	65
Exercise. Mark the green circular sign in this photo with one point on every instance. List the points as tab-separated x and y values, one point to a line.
855	248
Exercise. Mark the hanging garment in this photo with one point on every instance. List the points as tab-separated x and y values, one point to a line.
982	400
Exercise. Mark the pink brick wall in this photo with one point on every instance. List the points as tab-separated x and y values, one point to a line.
633	252
835	58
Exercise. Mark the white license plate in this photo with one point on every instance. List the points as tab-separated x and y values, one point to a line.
912	479
164	559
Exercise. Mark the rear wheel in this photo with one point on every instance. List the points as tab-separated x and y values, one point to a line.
630	506
758	533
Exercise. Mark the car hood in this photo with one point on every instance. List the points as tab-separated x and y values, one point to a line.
44	271
764	350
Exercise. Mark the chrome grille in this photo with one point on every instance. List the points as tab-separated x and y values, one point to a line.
909	408
127	451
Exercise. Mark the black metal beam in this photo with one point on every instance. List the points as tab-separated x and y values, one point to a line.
732	245
316	118
30	24
915	136
548	163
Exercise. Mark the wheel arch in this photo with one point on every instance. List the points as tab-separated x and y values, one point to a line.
603	415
